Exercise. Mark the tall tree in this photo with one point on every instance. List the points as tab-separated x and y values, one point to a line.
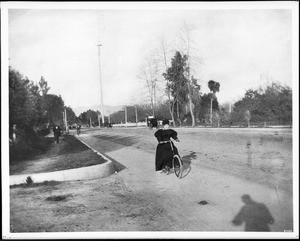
22	102
195	95
186	39
149	73
89	117
177	83
43	86
162	54
54	107
71	116
205	106
213	87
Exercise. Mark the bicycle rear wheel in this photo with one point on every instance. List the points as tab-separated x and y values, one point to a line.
177	166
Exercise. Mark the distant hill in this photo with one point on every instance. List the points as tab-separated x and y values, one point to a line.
105	109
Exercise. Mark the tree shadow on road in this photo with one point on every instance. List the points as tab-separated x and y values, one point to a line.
256	216
187	160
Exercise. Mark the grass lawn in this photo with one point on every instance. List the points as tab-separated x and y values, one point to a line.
67	154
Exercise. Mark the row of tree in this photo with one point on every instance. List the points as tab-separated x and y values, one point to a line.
170	73
271	104
184	98
31	108
172	81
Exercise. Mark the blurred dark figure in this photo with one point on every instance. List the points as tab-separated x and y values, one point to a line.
78	129
14	134
154	123
56	132
256	216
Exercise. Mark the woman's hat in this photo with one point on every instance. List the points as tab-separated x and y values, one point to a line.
165	122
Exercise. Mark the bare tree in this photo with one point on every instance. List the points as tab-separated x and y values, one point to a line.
162	52
149	73
185	38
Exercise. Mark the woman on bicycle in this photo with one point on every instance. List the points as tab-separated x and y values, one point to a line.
164	152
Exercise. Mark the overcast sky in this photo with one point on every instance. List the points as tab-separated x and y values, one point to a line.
236	46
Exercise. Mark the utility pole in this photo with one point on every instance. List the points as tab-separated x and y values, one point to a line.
125	116
98	114
211	101
108	117
63	117
99	45
66	122
101	93
136	119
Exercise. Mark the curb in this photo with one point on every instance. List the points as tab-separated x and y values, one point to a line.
82	173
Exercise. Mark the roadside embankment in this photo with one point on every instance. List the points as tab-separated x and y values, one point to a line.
67	160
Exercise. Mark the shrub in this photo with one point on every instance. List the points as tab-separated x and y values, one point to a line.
29	180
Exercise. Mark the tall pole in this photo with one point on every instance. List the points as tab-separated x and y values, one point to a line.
63	117
136	119
99	45
98	114
125	115
101	93
211	110
66	121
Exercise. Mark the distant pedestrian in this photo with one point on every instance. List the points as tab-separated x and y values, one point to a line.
164	153
56	132
78	129
14	135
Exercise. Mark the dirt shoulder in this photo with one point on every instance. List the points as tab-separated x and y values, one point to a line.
83	206
69	153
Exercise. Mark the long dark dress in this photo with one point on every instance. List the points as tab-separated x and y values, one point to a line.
164	154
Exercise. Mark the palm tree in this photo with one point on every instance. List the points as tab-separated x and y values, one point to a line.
213	87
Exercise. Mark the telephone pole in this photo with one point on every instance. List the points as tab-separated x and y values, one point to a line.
125	115
66	121
99	45
136	117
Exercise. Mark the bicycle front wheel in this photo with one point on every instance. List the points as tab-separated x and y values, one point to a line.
177	166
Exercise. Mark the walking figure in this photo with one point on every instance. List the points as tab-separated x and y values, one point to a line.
78	129
56	131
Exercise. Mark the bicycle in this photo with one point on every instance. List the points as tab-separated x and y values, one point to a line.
177	164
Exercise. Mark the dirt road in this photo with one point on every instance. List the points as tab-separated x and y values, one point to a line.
221	166
224	165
